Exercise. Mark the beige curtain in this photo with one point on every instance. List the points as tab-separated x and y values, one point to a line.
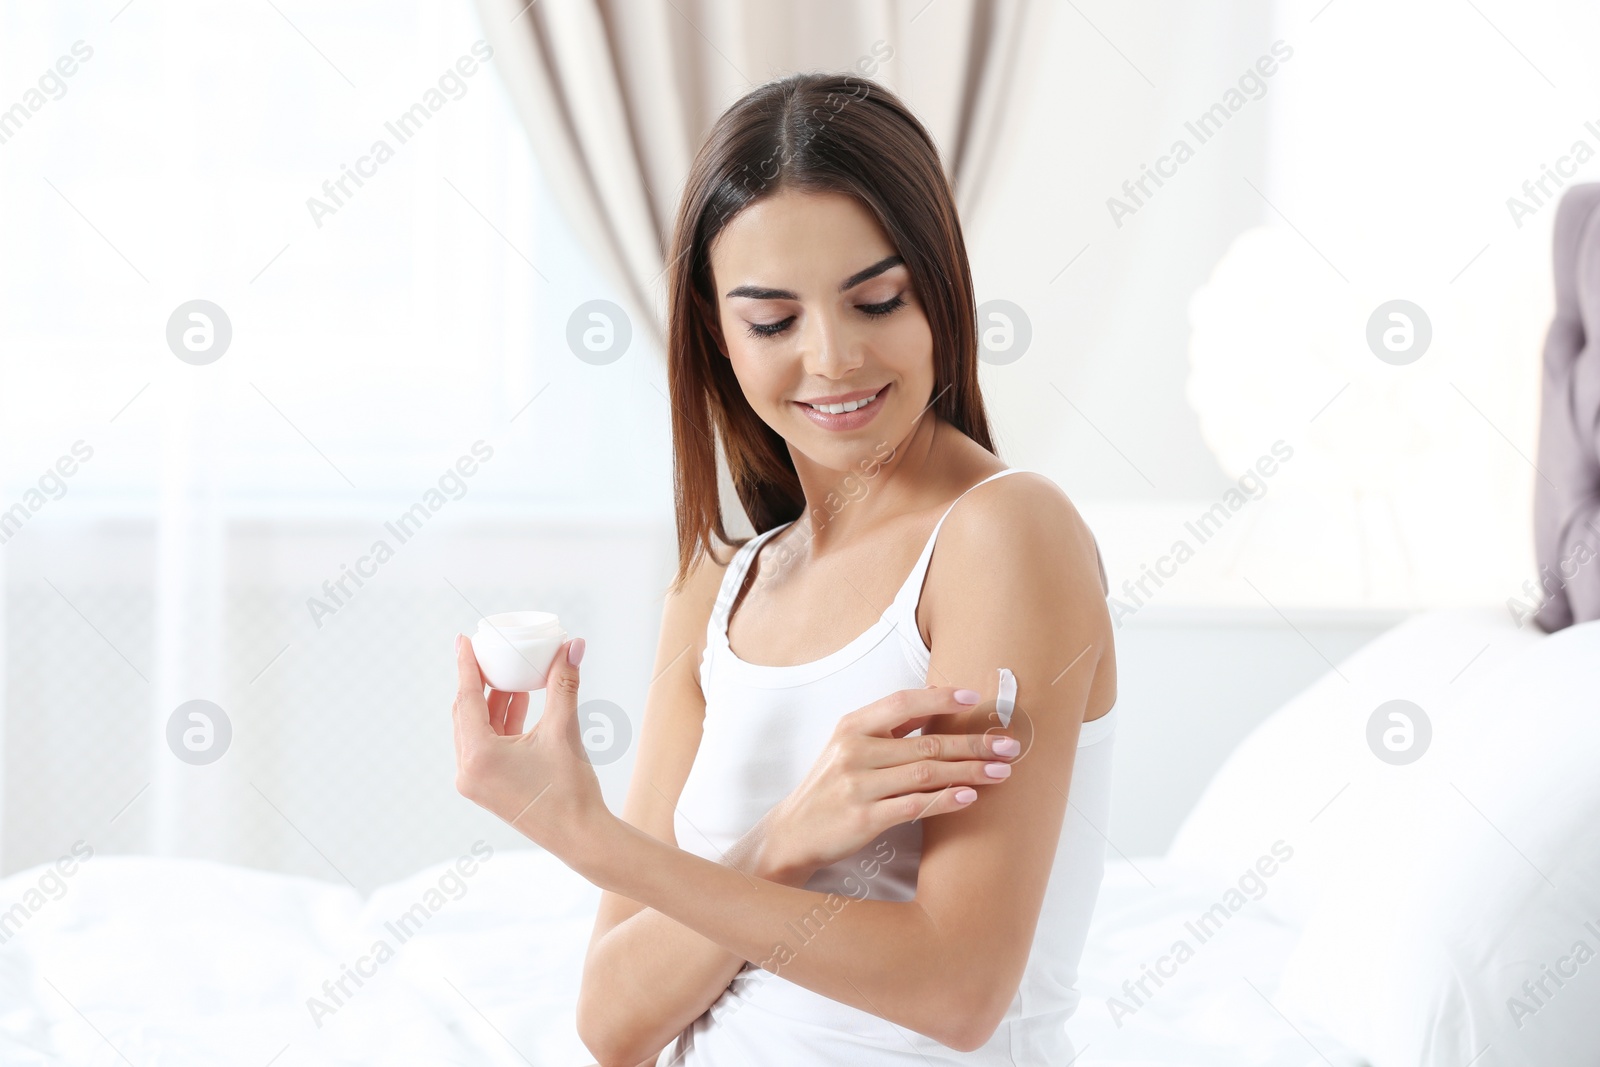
617	95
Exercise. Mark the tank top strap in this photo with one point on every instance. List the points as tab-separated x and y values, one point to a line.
733	579
911	591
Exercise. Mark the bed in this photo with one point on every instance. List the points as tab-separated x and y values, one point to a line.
1352	888
222	961
1328	953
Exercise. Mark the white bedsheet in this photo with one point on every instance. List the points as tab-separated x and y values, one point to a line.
1212	1009
179	962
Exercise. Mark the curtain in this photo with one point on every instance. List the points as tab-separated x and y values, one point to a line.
617	95
370	349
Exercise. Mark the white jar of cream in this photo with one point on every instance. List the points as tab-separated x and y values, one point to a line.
515	649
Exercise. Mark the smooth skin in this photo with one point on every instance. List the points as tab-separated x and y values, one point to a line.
1014	581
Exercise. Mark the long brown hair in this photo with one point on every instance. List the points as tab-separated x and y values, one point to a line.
817	133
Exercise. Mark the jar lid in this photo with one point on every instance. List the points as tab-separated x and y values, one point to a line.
527	624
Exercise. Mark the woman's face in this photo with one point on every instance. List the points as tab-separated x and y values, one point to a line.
814	306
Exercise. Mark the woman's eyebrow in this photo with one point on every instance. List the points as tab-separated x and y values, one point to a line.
756	292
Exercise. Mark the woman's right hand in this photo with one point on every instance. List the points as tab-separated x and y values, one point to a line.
870	776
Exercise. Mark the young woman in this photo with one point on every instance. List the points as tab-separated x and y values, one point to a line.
829	853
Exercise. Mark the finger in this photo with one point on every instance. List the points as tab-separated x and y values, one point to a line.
468	677
911	724
904	709
924	776
516	714
896	810
561	688
470	709
879	752
498	701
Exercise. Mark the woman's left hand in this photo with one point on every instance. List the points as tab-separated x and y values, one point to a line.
541	781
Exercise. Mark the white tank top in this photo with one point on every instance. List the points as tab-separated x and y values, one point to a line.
764	728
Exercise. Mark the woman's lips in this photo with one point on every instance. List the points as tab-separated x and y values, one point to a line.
847	420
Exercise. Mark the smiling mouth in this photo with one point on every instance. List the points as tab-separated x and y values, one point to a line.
846	417
845	407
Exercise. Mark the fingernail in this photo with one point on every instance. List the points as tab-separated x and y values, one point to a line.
1005	746
966	795
967	696
575	651
458	642
997	770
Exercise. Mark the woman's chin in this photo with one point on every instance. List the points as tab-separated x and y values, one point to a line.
858	454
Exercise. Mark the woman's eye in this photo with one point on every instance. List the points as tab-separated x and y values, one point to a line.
772	329
884	308
764	329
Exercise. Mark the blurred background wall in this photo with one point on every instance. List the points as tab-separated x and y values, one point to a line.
1172	337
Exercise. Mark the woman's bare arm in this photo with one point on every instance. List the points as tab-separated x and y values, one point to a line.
647	976
673	974
1020	586
1020	577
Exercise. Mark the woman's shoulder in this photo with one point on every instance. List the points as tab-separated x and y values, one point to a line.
1024	523
1022	553
688	604
1016	497
698	590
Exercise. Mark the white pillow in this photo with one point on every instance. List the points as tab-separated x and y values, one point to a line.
1479	872
1304	776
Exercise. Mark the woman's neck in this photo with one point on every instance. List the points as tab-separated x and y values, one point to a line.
842	506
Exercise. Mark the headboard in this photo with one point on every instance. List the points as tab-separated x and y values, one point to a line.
1566	500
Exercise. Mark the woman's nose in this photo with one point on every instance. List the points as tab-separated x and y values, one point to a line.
829	351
